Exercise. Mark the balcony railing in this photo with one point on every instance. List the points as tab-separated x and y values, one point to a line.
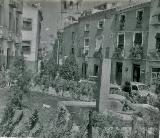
136	52
11	36
19	6
13	3
118	53
155	20
18	38
3	32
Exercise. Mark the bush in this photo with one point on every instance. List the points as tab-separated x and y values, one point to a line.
108	125
69	70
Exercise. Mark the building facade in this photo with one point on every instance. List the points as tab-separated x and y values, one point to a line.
31	30
131	43
129	35
10	30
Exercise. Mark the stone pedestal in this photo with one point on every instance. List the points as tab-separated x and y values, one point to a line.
104	85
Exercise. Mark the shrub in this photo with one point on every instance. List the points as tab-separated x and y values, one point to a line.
69	70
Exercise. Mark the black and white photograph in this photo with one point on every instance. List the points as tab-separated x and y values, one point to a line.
79	68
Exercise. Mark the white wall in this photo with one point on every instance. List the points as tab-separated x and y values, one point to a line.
31	12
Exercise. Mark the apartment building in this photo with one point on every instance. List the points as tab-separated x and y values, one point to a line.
129	35
10	30
93	32
31	30
130	54
153	52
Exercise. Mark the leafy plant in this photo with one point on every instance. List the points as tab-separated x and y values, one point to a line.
69	70
136	52
118	52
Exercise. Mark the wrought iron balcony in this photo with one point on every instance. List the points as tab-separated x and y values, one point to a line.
155	20
11	36
13	3
118	53
18	38
19	6
136	52
3	32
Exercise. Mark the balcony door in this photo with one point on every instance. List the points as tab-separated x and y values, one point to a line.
136	73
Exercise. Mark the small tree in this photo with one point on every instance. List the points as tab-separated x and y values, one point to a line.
69	70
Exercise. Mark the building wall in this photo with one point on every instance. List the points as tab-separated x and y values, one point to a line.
110	34
154	58
32	35
10	37
129	31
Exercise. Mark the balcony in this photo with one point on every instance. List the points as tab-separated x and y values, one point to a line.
118	53
18	38
155	20
13	3
19	7
3	32
11	36
136	52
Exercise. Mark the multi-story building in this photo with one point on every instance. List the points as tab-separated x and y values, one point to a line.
153	62
32	18
10	30
131	43
93	32
129	35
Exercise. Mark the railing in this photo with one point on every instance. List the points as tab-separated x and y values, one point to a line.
19	6
11	35
13	3
136	52
118	53
3	32
155	21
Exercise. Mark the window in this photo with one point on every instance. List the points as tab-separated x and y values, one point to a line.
71	3
11	19
86	42
138	39
96	68
86	46
155	79
65	5
158	17
87	27
84	69
72	51
26	47
99	43
73	37
107	52
1	51
17	23
122	21
86	51
158	42
27	24
121	41
101	24
158	3
139	17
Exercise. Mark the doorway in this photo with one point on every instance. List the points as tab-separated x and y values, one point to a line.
8	57
84	70
136	73
119	73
